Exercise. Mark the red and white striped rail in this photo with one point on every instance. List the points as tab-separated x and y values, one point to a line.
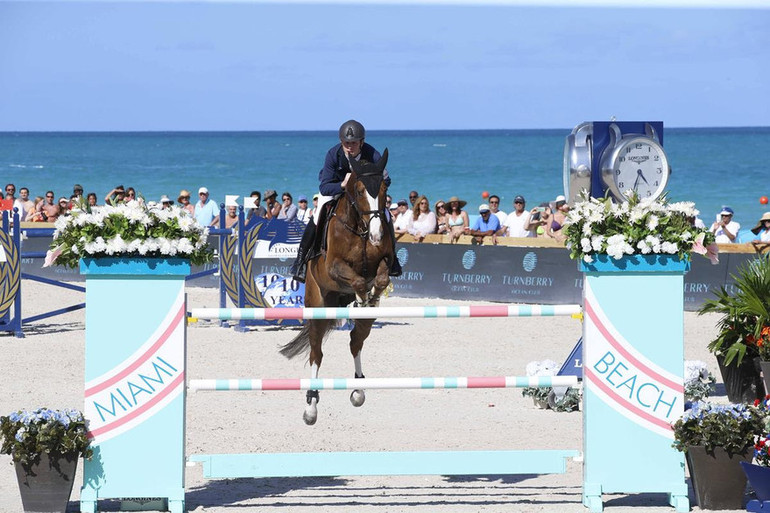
385	312
383	383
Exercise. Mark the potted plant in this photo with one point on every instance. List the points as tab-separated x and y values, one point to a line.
744	329
132	229
546	397
716	438
45	446
698	381
758	474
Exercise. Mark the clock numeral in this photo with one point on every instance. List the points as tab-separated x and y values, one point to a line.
621	185
659	170
656	183
637	146
656	158
621	159
649	193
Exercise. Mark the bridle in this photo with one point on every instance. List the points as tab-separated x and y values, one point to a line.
361	227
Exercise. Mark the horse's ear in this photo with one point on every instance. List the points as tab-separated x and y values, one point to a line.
354	165
383	161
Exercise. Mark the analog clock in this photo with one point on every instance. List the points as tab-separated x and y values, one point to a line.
634	162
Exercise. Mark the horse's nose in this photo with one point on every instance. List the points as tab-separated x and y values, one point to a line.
375	231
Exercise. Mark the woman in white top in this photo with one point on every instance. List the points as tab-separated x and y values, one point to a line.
422	221
762	232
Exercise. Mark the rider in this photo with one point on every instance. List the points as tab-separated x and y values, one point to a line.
333	177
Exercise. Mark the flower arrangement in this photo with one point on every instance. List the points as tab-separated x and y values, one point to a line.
569	402
540	368
597	226
762	445
128	229
699	383
733	427
744	328
26	435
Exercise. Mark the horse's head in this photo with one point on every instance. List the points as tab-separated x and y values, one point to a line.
366	191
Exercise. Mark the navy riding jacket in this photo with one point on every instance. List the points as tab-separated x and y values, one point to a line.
336	166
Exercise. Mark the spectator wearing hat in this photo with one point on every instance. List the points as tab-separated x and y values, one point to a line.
166	202
77	190
205	210
456	217
302	210
725	229
422	221
494	207
762	231
272	207
519	222
485	225
288	209
184	201
558	218
401	223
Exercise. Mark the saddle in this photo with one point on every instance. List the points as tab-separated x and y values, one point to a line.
322	229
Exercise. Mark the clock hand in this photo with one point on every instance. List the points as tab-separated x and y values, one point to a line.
636	183
640	175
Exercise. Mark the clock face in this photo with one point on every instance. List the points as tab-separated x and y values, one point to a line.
641	165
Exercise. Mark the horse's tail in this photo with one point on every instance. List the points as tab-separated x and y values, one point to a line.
301	343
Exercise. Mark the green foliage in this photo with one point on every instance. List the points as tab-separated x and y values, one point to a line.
744	328
26	435
733	427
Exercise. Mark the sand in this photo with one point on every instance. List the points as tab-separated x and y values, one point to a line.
46	369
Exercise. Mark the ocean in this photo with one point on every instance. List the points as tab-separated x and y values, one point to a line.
710	166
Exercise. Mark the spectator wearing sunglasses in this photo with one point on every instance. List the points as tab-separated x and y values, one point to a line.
48	208
288	209
494	207
413	195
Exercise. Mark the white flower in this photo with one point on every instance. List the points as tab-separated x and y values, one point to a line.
585	244
543	368
588	259
652	222
669	248
596	242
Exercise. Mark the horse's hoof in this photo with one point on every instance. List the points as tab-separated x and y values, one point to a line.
357	398
310	415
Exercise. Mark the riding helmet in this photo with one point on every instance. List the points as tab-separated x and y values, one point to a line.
352	131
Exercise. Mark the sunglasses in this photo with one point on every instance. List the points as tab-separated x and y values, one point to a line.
412	197
518	202
494	202
10	190
49	196
440	206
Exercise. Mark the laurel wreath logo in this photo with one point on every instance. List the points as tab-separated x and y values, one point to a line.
245	268
10	274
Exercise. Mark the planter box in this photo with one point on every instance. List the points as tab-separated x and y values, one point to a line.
718	479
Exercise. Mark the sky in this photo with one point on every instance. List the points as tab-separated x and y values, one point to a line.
211	65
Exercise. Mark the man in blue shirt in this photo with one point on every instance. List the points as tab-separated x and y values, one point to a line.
333	177
205	210
486	224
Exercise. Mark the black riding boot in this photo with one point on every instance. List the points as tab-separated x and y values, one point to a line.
395	266
299	267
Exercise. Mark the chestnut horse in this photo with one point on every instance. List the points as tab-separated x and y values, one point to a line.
354	267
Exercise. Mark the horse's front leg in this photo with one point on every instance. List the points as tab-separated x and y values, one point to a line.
361	330
381	281
343	273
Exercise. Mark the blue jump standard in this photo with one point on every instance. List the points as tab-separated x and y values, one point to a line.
326	464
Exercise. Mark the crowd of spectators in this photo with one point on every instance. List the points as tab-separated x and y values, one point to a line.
416	216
